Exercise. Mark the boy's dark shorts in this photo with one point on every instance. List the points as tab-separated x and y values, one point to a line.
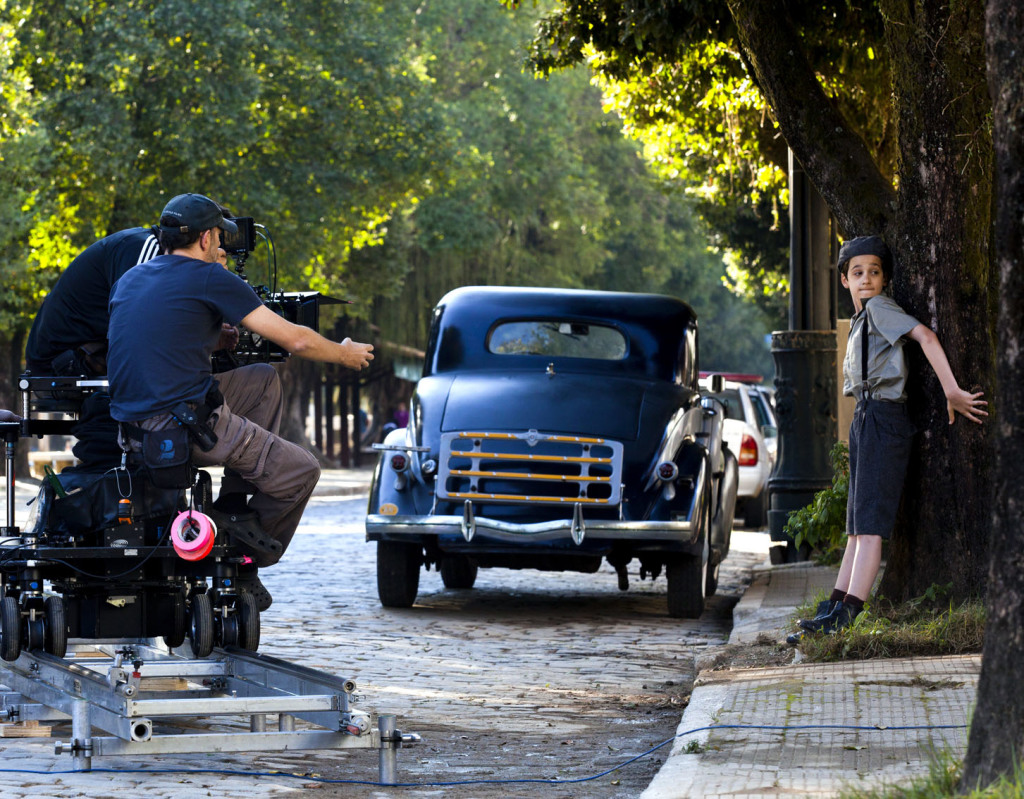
880	439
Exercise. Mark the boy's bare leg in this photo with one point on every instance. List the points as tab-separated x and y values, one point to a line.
866	562
846	567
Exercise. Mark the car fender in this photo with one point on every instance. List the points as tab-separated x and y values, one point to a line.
394	494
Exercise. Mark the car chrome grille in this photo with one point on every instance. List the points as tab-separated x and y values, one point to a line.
529	467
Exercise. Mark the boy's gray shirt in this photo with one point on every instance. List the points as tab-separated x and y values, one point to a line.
887	365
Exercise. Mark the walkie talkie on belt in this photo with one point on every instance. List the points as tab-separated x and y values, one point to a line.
200	431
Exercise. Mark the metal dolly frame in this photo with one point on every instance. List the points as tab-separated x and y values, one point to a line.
101	683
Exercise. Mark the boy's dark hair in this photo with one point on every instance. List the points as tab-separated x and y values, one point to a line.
866	245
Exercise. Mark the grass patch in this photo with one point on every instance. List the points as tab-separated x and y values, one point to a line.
942	781
917	628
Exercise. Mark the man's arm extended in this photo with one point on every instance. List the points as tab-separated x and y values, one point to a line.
306	342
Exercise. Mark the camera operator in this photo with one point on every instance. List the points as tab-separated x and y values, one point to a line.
166	317
69	333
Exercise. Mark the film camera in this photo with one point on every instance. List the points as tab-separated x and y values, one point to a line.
298	307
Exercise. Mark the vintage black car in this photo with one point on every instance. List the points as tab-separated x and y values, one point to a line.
554	428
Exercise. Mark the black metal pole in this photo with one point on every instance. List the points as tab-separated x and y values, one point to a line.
805	366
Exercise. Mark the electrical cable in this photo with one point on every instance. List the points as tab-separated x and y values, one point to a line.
520	781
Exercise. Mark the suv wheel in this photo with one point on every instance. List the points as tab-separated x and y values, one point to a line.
398	573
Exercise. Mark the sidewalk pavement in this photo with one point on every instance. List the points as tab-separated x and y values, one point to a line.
846	723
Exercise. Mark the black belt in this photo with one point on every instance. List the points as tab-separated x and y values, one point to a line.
192	417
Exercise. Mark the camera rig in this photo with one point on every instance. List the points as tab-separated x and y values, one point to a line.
298	307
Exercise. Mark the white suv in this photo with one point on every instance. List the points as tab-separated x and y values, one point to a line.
751	434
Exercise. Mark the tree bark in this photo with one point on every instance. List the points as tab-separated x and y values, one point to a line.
996	743
943	253
937	223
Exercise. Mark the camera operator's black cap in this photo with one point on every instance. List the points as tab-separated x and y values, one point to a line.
195	213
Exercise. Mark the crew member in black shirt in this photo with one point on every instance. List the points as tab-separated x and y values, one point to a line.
69	334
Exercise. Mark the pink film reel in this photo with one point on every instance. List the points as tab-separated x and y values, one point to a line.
192	534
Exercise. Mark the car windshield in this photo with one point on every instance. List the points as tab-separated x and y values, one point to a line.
730	398
558	338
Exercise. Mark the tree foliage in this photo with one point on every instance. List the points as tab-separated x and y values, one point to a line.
678	74
309	116
543	189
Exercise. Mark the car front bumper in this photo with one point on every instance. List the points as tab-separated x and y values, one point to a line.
576	530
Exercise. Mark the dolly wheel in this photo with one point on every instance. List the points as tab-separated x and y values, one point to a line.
200	632
179	625
248	615
10	628
55	634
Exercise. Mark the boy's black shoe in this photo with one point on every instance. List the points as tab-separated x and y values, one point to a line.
841	616
795	638
824	609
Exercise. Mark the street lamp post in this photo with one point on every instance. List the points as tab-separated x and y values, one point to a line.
805	366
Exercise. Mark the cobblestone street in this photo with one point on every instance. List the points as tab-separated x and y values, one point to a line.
528	676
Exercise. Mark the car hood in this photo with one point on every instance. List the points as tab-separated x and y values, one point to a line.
592	405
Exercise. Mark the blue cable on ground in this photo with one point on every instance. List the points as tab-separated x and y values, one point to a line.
520	781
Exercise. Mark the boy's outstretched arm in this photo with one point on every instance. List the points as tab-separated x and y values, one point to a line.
957	400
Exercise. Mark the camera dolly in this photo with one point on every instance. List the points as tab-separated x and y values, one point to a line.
106	567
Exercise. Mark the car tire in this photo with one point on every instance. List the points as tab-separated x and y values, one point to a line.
756	511
457	571
398	573
686	578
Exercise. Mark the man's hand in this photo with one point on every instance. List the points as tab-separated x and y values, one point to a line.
967	404
356	355
228	338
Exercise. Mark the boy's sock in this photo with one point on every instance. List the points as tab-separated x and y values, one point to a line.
855	603
837	596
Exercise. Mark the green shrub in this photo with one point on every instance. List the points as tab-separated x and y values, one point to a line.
822	524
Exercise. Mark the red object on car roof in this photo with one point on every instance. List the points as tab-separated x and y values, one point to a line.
735	377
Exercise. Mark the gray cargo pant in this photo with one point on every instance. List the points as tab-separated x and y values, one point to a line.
280	475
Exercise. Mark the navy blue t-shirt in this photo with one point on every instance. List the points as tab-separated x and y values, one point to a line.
165	321
75	310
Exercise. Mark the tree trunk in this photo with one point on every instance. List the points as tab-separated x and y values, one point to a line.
996	743
937	224
941	243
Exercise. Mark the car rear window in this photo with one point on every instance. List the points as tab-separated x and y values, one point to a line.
730	398
563	339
